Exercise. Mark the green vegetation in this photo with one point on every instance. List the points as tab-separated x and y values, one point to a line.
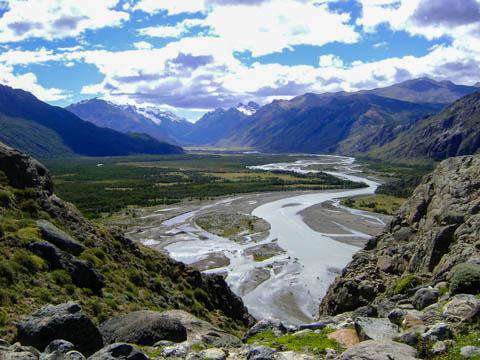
382	204
151	281
106	185
466	338
401	177
406	283
309	342
465	279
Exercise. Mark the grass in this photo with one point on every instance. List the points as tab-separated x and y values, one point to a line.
471	338
310	342
382	204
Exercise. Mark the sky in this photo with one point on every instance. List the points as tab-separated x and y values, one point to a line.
192	56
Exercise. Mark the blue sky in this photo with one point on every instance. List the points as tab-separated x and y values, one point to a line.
190	56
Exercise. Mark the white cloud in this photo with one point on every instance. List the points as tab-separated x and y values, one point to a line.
279	24
53	19
29	82
180	29
173	7
330	60
142	45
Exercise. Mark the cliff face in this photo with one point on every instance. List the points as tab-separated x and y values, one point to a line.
436	229
52	254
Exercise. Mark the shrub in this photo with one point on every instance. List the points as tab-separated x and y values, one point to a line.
45	295
465	279
3	318
6	198
7	274
8	297
61	277
28	261
407	282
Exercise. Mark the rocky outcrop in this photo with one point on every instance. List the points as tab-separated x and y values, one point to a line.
60	238
435	230
23	171
65	321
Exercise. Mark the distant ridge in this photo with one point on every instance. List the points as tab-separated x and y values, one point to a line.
49	131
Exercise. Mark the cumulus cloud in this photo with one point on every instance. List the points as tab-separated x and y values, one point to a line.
53	19
29	82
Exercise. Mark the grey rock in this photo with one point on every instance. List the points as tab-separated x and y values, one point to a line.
65	321
437	332
212	354
316	326
396	316
18	352
143	327
411	336
425	297
60	238
74	355
261	353
119	351
292	355
176	351
438	348
274	325
163	343
375	329
23	171
379	350
56	350
365	311
470	352
462	307
82	272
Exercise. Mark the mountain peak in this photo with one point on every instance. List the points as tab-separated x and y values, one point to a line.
249	109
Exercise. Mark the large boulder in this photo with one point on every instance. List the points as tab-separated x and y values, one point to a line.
462	307
60	238
82	272
119	351
425	297
143	327
379	350
376	329
65	321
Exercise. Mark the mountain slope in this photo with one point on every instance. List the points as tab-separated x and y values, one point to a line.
79	136
163	126
425	90
340	122
453	132
220	124
52	254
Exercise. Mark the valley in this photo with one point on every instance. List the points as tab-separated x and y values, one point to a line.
268	246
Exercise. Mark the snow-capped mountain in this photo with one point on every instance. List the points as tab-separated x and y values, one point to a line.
162	125
248	109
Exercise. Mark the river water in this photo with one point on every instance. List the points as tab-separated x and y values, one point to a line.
300	277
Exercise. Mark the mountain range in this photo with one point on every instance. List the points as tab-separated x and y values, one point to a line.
374	122
412	119
43	130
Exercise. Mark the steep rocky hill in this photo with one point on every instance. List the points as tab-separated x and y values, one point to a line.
52	254
453	132
436	230
48	131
